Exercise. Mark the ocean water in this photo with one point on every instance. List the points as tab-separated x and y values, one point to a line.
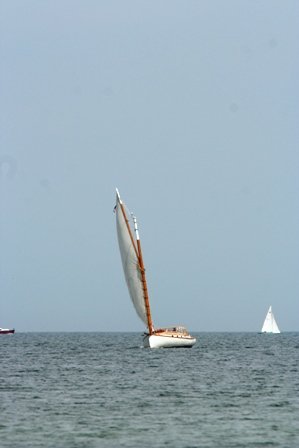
105	390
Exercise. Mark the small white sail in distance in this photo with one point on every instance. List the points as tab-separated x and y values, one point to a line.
270	325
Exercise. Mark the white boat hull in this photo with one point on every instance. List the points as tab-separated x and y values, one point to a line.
158	341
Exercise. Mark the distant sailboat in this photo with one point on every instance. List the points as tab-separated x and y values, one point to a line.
132	261
270	325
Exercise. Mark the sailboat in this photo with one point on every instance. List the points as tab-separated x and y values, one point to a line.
270	325
133	266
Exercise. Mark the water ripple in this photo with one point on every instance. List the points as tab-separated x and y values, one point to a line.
101	390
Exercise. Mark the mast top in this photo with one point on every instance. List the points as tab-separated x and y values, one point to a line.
118	196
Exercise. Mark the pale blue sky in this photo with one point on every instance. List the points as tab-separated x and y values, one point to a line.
191	109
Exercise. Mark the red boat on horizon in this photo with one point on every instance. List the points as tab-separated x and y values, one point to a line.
7	331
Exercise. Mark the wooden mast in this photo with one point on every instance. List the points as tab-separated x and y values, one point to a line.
143	279
138	253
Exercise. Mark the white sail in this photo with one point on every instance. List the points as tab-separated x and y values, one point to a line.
270	325
130	263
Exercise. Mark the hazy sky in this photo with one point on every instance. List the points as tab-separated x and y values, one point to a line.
191	109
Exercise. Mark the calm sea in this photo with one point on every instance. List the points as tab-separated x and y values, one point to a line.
105	390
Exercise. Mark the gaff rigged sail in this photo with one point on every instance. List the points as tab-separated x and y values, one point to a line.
130	263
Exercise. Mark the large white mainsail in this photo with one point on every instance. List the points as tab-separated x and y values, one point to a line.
130	262
270	325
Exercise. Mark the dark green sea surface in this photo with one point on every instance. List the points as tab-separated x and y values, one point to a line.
103	390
